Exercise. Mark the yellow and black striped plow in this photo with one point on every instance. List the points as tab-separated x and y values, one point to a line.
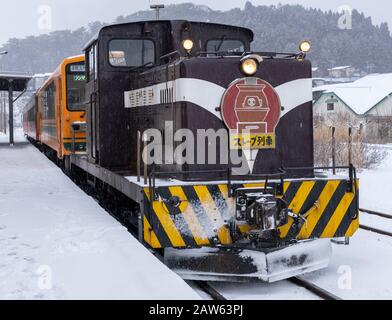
329	209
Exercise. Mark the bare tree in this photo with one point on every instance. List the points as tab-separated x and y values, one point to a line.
364	154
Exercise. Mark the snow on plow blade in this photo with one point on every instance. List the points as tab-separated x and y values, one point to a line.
228	264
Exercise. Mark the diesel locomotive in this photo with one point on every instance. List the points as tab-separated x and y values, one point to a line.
211	145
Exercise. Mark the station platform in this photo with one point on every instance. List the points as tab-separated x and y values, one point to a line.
58	243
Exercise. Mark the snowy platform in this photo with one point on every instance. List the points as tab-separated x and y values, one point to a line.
57	243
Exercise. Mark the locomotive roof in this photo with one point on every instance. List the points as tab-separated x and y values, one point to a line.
175	24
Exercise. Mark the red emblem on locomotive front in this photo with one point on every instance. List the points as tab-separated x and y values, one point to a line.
251	110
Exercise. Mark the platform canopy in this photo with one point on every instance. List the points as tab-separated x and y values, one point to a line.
19	81
13	82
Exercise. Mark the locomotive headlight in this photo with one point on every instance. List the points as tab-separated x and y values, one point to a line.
249	67
250	64
305	46
188	45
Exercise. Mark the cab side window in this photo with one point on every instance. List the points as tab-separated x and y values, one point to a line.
92	64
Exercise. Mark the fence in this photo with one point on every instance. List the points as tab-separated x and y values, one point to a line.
344	145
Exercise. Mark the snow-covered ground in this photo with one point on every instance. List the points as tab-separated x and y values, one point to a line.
376	188
360	271
57	243
18	137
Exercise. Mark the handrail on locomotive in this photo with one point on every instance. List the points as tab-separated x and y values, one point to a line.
352	172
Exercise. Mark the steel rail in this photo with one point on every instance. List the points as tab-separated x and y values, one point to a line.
375	213
207	288
322	293
376	230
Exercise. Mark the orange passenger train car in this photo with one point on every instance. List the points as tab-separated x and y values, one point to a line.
61	112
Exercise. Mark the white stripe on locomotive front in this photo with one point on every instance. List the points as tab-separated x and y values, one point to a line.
208	95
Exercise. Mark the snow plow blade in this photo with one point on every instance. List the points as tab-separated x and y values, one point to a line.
230	264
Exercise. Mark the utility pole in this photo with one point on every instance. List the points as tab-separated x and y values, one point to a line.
157	8
5	112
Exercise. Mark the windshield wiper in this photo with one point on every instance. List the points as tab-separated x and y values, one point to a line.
221	44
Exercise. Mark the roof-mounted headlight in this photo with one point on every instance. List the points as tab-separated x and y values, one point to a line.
305	46
250	64
188	45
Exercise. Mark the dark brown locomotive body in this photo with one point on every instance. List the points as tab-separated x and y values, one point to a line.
113	128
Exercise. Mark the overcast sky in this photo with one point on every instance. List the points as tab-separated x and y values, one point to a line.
20	18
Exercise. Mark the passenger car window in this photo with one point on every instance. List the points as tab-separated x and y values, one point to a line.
225	46
131	52
48	101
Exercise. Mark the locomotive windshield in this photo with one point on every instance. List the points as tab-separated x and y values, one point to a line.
225	45
76	80
131	52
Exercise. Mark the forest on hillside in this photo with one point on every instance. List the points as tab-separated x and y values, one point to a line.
277	28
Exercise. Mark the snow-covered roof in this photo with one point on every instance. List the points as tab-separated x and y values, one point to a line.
361	95
15	75
340	68
42	75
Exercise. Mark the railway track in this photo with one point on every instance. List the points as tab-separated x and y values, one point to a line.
316	290
208	289
375	213
297	281
376	230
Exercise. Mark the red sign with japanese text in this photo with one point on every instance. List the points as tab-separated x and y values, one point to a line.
251	110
